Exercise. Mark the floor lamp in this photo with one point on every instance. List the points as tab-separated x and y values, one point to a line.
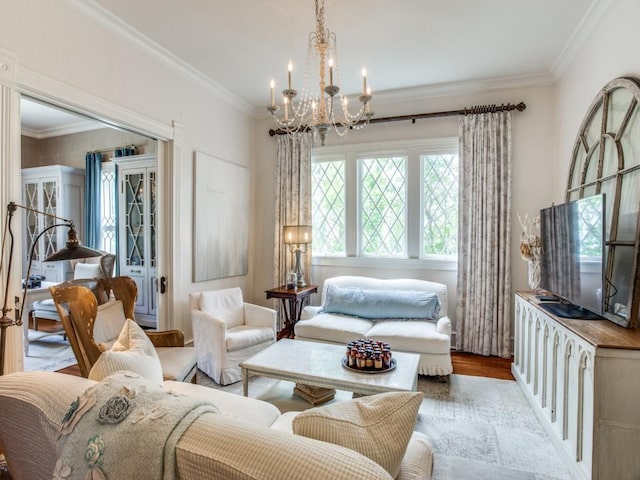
72	250
298	237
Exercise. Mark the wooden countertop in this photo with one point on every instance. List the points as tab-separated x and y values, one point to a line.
599	333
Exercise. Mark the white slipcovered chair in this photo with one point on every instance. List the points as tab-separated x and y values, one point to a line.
227	330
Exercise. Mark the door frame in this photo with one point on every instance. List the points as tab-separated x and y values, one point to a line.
14	83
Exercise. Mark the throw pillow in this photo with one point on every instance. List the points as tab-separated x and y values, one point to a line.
87	270
133	351
109	322
378	426
386	304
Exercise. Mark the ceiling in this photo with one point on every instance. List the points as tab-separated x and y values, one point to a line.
406	45
241	45
39	120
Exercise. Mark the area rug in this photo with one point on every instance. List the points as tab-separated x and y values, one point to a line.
48	352
481	428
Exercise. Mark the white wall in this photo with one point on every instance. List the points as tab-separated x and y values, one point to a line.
533	157
62	52
611	51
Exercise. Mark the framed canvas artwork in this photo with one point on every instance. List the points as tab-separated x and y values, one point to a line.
220	218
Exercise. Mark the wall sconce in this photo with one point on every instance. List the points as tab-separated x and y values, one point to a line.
72	250
298	237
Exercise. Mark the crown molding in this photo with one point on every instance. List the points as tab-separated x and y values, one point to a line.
426	92
79	127
100	15
466	87
596	12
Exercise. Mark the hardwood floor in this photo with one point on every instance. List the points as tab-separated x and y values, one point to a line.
463	364
46	325
479	366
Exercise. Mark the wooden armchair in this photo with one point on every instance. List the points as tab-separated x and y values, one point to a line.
126	290
78	308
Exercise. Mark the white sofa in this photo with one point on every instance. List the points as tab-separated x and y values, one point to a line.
431	339
247	440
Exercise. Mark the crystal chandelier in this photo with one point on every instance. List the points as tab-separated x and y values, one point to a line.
316	108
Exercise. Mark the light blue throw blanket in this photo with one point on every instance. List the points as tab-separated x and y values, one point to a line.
125	427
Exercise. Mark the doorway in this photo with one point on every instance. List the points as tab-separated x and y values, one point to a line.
54	144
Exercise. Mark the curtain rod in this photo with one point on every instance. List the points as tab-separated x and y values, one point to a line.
448	113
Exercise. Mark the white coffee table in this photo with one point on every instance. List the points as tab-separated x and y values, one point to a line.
320	365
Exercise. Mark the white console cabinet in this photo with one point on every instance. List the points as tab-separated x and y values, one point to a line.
57	190
582	378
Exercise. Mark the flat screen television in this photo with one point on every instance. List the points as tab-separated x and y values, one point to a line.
572	257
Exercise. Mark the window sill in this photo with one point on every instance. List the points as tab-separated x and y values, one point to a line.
444	264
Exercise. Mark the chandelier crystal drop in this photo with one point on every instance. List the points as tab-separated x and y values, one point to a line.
321	105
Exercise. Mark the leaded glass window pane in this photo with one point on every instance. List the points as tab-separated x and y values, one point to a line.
329	208
108	211
440	204
383	206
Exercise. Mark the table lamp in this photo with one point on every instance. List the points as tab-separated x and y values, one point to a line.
72	250
298	237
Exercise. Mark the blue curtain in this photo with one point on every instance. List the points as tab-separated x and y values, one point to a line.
92	187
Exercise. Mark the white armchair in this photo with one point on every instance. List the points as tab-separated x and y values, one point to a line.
226	331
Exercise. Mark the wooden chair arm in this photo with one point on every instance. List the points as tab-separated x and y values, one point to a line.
167	338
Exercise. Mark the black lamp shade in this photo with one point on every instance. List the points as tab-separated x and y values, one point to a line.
73	250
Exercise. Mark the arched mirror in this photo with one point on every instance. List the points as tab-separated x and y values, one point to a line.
606	159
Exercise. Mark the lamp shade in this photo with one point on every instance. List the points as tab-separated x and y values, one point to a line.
297	234
73	250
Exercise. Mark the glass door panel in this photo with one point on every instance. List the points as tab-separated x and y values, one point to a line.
49	205
134	218
31	218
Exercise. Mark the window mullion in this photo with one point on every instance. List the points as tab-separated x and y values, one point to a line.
413	202
352	186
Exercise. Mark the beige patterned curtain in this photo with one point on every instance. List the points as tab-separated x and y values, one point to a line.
484	231
293	199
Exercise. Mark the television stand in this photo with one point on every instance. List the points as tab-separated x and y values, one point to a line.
568	310
579	377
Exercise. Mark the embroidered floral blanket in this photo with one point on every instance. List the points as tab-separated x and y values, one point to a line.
124	427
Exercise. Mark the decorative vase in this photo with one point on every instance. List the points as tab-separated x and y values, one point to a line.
534	274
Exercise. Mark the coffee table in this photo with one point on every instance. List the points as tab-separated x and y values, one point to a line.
320	365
